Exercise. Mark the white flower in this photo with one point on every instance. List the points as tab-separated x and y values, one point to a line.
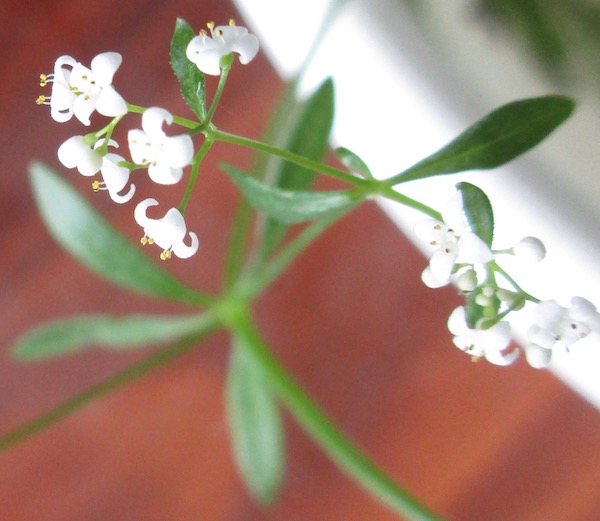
75	152
206	51
530	249
489	343
453	242
556	326
165	155
168	232
77	90
115	178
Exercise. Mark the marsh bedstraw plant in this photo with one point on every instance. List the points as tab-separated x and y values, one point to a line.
171	149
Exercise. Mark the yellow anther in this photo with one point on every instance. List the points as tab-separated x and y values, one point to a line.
165	255
96	186
146	240
210	25
43	79
41	100
219	33
203	32
232	22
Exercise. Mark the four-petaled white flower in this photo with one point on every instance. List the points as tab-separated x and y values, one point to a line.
165	155
77	90
76	152
115	178
556	326
487	343
206	51
167	232
453	242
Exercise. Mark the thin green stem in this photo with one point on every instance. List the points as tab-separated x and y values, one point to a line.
260	278
389	193
217	97
112	383
348	457
315	166
194	173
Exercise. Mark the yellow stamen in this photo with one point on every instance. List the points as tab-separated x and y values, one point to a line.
96	186
232	22
146	240
41	100
43	79
219	33
165	255
203	32
210	25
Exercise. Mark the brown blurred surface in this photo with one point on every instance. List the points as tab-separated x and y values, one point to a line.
351	320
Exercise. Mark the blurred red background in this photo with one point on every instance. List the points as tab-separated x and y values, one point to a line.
351	320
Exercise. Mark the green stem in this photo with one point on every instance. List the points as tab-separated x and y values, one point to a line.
322	430
309	164
131	373
194	173
217	97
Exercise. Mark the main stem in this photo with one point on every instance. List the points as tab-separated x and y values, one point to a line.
323	431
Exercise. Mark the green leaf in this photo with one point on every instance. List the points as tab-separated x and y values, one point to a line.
288	206
351	161
191	80
478	211
309	138
86	235
496	139
256	427
63	336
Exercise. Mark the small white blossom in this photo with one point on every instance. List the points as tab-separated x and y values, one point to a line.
167	232
75	152
206	51
555	326
530	249
114	178
77	90
453	242
165	155
487	343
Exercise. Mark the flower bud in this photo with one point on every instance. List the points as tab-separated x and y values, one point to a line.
530	249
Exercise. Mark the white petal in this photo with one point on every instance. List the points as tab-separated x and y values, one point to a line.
497	337
139	145
457	321
83	106
89	163
111	103
178	151
70	152
169	230
246	45
184	251
163	174
153	119
104	67
500	358
116	177
140	212
537	356
431	230
441	264
582	309
453	214
430	281
209	62
472	250
548	313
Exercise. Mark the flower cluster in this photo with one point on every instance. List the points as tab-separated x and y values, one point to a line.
80	91
459	255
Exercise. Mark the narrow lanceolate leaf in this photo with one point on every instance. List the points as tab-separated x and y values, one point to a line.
478	211
84	233
63	336
191	80
288	206
353	162
496	139
256	427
